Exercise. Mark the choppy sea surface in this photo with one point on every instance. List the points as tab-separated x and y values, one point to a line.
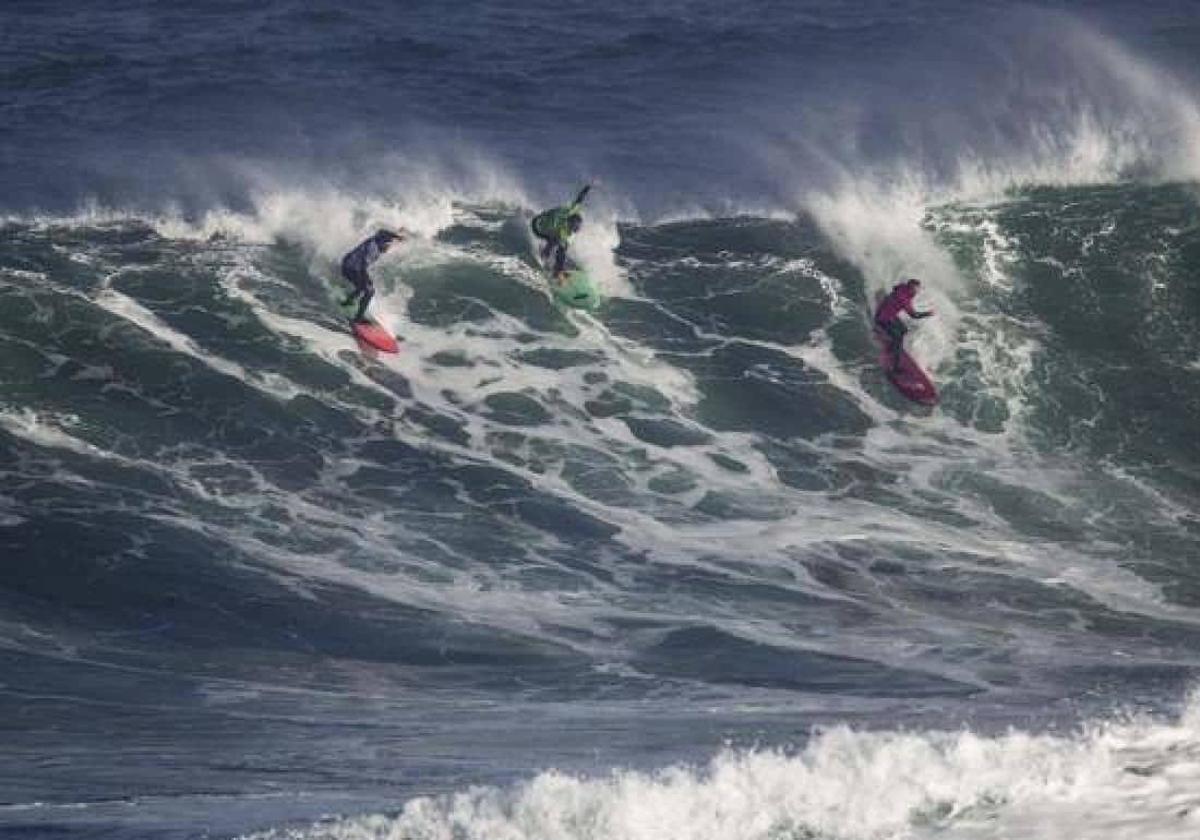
686	567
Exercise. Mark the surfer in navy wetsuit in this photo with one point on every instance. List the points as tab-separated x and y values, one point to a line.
887	316
354	268
555	228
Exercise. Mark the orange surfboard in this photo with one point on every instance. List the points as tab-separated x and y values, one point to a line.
375	336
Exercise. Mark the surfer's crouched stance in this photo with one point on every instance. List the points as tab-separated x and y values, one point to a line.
555	228
354	268
887	316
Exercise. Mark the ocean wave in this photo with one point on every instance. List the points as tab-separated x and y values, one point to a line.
1104	781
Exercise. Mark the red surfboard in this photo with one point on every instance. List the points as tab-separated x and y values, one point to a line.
907	376
373	335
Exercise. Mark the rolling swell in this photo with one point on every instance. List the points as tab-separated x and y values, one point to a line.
709	491
202	386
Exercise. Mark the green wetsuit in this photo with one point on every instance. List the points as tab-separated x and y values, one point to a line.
553	227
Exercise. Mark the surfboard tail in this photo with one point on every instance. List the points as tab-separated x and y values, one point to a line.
906	376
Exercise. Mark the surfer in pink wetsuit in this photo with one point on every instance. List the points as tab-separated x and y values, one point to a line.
887	316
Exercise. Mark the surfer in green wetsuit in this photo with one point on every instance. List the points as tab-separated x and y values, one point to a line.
556	226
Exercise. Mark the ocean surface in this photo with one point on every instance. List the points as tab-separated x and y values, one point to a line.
685	568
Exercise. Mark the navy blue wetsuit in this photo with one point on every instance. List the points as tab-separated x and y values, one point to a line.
354	269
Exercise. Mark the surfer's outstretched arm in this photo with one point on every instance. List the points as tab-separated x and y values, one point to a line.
582	195
912	313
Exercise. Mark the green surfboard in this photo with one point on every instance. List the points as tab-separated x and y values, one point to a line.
576	291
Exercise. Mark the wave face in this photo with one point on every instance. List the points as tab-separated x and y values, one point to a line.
694	552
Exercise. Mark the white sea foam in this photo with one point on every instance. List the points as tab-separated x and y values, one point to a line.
1138	777
49	430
